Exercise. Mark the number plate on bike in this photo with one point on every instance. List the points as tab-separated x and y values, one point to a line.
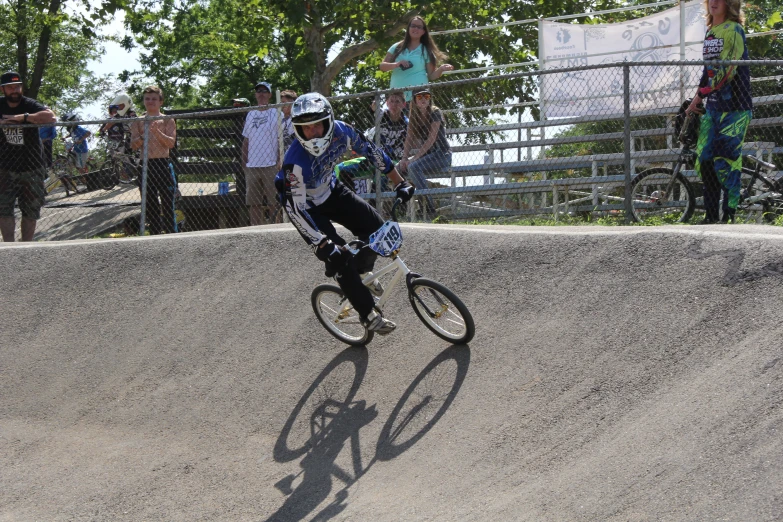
387	239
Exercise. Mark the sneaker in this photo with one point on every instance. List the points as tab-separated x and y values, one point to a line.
376	288
376	323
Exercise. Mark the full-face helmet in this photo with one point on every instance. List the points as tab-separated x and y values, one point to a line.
123	103
308	109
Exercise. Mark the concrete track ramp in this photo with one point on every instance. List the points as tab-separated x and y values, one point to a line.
616	374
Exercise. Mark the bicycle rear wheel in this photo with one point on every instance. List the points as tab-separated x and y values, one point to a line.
441	311
758	204
653	202
338	316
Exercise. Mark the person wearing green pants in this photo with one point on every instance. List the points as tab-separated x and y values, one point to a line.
729	105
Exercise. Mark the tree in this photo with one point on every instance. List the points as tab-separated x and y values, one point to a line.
222	43
50	42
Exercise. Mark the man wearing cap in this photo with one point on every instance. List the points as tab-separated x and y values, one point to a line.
22	172
261	156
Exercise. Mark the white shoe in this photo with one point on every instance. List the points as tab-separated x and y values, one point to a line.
376	323
376	288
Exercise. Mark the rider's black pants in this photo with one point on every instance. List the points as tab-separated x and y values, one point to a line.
349	210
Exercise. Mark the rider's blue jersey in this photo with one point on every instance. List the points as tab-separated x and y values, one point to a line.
309	180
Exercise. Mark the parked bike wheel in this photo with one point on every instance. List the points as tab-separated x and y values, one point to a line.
338	316
128	172
758	204
651	203
106	175
441	311
67	174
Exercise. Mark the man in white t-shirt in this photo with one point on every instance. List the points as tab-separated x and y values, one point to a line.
261	157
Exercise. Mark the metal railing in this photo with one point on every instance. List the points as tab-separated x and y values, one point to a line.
507	162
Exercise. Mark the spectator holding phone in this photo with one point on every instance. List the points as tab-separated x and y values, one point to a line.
413	60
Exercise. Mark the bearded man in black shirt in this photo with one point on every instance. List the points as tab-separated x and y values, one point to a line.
22	170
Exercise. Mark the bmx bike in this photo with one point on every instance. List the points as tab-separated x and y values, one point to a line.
665	194
438	307
119	167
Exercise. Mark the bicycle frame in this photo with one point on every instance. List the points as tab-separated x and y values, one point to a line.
400	270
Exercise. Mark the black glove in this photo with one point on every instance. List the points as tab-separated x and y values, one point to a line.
334	257
404	191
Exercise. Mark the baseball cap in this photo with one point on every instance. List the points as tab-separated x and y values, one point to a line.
264	84
10	78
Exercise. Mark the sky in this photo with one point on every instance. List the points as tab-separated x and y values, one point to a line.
113	62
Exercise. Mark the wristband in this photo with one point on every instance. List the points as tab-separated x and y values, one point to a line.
26	114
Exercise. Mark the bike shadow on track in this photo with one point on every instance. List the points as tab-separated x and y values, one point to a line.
328	418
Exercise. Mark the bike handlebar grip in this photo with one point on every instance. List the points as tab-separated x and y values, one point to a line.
397	202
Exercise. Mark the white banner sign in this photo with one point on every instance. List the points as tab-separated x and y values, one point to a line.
600	91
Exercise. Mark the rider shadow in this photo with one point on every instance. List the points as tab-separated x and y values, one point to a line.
335	421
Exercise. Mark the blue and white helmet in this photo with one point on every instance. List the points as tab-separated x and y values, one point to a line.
308	109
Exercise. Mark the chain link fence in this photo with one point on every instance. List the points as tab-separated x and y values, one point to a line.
581	143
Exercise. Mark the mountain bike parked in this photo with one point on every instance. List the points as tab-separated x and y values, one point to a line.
666	195
438	307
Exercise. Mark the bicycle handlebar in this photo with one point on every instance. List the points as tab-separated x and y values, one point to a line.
768	166
397	202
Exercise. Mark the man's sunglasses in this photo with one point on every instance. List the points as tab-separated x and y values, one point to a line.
423	96
262	89
114	107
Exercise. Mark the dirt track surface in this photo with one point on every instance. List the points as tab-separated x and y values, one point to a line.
616	374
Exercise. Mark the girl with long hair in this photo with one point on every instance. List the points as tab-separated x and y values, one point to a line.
725	89
413	61
427	135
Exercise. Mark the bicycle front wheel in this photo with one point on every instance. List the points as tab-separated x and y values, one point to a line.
656	198
441	311
338	315
128	172
106	176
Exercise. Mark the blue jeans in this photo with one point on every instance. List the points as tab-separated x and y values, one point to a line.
433	162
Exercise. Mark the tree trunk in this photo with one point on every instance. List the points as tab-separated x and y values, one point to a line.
42	53
314	39
325	73
21	41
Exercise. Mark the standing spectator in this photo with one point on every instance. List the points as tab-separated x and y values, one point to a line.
427	134
161	180
118	134
287	96
47	135
78	136
21	173
260	156
413	60
726	89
